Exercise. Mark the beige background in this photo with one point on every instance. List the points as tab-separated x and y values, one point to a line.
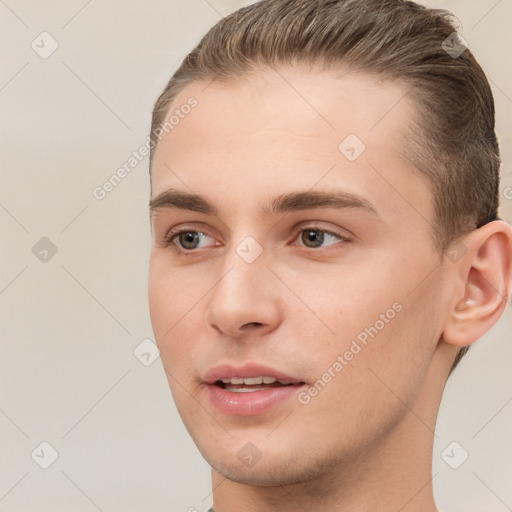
68	374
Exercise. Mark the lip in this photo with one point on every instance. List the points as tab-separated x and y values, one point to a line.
251	403
227	371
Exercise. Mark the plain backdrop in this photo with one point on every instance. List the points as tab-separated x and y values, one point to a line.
73	272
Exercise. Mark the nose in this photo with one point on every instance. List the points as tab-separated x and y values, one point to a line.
245	300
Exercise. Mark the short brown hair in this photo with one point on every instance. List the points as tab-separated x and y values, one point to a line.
454	145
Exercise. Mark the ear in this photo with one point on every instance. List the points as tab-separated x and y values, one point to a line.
483	282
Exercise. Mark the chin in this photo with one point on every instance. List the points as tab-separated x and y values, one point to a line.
262	477
252	477
272	470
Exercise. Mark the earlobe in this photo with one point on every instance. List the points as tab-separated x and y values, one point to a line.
486	272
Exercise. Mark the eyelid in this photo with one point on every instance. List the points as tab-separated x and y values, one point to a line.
317	225
198	227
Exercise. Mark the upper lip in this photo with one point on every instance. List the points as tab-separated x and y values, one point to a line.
228	371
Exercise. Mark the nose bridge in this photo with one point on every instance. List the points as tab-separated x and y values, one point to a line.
244	265
242	276
242	295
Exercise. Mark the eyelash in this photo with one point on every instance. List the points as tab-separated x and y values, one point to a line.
173	234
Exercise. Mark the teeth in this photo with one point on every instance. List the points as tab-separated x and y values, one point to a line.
250	381
246	390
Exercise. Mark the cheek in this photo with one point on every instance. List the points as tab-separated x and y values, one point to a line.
373	323
173	292
174	302
386	377
343	304
161	300
174	310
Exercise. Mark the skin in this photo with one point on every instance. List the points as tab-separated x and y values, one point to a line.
365	441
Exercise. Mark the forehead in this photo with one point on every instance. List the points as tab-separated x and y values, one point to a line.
323	99
286	128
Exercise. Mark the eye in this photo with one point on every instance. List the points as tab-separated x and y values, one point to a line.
188	239
314	238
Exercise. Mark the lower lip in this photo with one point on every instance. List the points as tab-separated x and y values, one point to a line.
249	403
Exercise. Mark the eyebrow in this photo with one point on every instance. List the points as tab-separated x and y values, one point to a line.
292	201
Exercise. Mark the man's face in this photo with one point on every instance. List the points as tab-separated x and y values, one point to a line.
342	296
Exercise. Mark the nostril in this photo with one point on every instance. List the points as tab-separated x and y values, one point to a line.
250	325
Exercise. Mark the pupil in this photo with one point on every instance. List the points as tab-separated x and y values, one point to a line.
312	238
189	239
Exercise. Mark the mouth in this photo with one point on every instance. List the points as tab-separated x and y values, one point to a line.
252	384
250	389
